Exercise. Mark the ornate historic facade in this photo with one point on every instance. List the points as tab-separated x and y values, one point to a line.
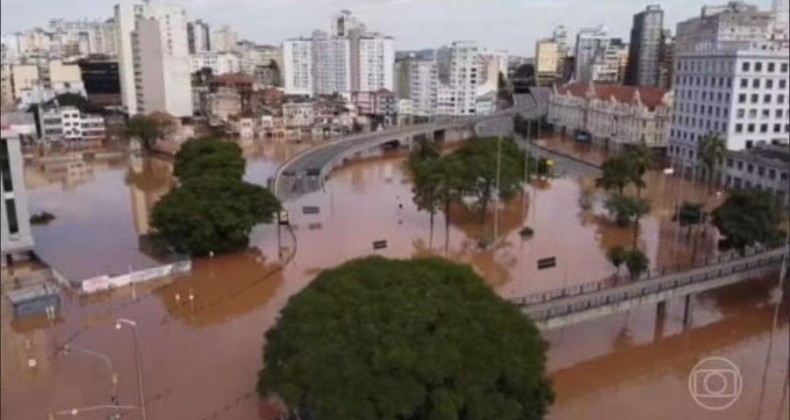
613	115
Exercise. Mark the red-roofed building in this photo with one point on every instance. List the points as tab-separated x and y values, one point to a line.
612	115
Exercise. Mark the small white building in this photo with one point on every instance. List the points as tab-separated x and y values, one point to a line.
218	62
68	124
298	114
612	115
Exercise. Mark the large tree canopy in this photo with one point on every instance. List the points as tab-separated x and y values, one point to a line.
421	339
748	217
212	214
148	129
201	157
212	210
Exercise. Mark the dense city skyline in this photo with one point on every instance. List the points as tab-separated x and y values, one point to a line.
450	19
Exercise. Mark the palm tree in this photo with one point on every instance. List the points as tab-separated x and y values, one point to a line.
640	159
712	150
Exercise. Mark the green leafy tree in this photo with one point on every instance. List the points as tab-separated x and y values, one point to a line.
209	157
636	262
689	215
212	214
626	210
616	174
712	150
616	256
424	163
480	159
451	188
148	129
748	217
421	339
640	159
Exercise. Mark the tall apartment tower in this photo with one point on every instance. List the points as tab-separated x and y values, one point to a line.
331	64
644	54
199	37
298	66
465	76
560	37
424	86
224	39
15	234
153	56
590	43
781	12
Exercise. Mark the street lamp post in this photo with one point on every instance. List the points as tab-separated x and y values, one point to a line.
118	325
107	362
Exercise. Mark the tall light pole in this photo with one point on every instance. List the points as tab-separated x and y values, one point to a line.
118	325
107	362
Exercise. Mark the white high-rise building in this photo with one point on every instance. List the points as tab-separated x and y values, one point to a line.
423	86
298	66
740	94
465	76
199	37
224	39
153	57
590	43
346	60
331	64
376	63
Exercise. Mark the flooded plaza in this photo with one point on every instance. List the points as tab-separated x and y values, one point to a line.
201	335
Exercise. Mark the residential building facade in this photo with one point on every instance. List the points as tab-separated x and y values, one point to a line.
198	37
614	116
590	43
224	39
153	56
547	54
424	87
465	73
15	233
644	56
722	26
298	66
68	124
218	62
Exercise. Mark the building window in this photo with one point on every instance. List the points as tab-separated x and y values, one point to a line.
750	128
739	128
778	113
783	66
760	171
771	174
763	128
13	223
752	114
782	83
742	98
741	113
758	66
769	84
777	128
729	162
771	67
766	114
749	167
766	99
755	98
749	144
780	99
755	83
5	168
746	66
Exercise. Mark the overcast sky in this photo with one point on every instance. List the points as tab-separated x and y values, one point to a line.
513	25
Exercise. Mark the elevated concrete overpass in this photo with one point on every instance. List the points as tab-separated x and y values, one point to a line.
579	303
305	172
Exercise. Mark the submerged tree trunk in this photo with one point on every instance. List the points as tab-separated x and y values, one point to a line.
446	224
638	216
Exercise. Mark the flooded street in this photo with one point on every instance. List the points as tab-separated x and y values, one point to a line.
201	335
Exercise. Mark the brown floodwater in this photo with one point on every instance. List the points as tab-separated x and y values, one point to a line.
201	335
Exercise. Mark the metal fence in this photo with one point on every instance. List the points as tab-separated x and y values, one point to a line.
754	264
